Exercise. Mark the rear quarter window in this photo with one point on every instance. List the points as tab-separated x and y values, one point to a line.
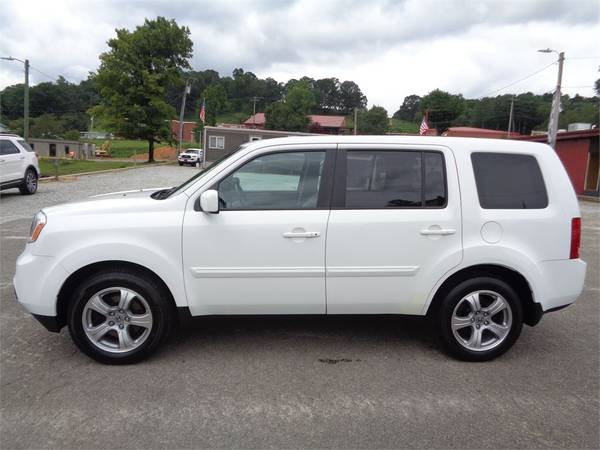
509	181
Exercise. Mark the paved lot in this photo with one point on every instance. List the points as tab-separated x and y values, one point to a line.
294	382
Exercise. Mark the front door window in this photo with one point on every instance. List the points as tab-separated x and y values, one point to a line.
287	180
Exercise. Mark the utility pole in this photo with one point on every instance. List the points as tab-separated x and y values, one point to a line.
554	113
254	100
510	116
355	120
186	91
26	102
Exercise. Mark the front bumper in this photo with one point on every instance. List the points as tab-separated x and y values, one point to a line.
37	282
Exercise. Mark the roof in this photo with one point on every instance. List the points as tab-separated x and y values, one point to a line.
474	131
565	135
324	121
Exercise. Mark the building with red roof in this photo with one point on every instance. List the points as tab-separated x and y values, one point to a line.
318	123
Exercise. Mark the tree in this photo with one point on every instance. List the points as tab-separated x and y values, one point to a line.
328	94
444	108
410	107
597	86
134	75
291	115
216	102
351	97
373	121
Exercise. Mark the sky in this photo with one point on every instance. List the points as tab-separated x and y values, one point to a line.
390	48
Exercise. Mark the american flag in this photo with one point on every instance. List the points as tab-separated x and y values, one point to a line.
203	111
424	125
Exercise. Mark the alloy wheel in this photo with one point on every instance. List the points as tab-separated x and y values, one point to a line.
117	320
481	320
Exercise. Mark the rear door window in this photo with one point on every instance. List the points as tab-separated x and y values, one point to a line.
379	179
509	181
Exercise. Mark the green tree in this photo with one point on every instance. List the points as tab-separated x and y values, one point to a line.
134	75
444	108
597	86
46	126
216	102
292	114
410	107
351	97
373	121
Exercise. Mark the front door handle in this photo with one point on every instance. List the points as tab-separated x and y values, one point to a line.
301	234
438	232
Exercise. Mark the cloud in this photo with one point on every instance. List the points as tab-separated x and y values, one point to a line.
391	48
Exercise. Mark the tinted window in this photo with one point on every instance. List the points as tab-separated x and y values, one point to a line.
394	179
25	145
435	181
506	181
8	148
276	181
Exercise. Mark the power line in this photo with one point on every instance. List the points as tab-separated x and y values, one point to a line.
518	81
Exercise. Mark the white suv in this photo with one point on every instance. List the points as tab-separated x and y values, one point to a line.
481	235
18	165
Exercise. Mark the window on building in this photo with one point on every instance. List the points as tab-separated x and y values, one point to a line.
509	181
288	180
255	138
217	142
52	150
8	148
378	179
66	150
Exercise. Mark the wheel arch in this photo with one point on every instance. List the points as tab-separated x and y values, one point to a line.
532	311
32	167
72	281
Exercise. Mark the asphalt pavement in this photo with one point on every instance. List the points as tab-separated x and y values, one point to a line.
293	382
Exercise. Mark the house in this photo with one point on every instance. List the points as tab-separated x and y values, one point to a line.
478	133
60	148
188	132
579	152
221	141
318	123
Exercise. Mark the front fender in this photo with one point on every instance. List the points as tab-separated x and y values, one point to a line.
165	266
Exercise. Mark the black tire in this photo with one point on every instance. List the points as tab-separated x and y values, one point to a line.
153	293
446	311
30	182
181	164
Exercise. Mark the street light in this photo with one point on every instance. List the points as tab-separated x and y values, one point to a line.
555	111
25	96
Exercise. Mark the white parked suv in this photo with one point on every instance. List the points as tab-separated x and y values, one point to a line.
18	165
481	235
191	156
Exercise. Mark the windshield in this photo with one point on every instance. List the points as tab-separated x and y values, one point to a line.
188	182
192	151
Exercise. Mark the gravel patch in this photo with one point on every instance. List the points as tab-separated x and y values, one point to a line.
14	206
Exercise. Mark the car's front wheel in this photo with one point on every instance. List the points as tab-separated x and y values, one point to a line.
30	182
119	317
480	319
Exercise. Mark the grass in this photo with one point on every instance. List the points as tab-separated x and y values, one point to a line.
402	126
70	167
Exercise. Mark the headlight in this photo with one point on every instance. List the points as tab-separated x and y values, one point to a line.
39	221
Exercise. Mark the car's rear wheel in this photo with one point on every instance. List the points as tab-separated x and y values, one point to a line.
480	319
119	317
30	183
180	163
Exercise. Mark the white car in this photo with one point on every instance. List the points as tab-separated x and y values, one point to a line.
18	165
191	156
481	235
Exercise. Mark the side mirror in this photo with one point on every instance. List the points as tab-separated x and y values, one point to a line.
209	201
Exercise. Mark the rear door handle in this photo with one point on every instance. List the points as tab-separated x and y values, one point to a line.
302	234
441	232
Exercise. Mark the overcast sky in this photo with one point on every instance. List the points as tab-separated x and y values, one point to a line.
390	48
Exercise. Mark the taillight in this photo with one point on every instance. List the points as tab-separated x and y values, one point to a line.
575	237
